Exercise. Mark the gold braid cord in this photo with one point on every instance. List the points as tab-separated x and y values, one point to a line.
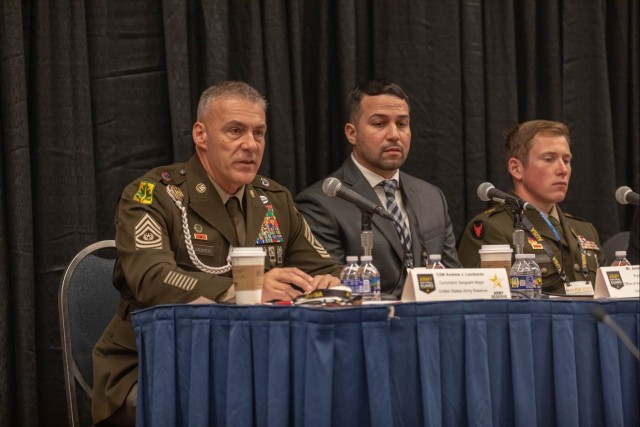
177	196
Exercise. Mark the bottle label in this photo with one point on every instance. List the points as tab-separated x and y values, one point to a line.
351	283
522	282
366	285
374	282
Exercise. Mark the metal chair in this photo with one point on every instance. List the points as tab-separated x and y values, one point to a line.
617	242
87	301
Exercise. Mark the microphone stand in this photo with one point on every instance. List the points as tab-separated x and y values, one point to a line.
366	234
518	231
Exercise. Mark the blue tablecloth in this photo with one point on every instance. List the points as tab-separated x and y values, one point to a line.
484	363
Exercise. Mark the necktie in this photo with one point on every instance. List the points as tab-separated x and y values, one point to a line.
390	186
235	213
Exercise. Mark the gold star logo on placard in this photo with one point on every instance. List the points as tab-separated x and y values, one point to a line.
497	283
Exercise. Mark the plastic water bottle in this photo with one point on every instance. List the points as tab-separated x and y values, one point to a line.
537	275
621	259
349	274
521	278
369	279
435	261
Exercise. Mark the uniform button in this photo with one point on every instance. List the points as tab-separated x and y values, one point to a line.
576	267
544	270
183	171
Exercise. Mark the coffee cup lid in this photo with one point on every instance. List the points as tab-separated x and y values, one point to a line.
247	251
495	248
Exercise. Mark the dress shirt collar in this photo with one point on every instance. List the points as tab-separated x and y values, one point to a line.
225	196
373	178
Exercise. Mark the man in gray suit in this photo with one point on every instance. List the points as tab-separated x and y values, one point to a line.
379	132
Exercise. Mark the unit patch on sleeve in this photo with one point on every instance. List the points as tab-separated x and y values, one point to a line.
478	229
144	194
148	234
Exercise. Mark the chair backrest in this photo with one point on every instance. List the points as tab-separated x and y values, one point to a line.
617	242
87	301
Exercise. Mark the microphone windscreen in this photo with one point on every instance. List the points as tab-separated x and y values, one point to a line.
483	189
330	186
621	195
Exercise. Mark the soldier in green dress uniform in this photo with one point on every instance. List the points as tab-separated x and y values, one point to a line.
174	228
567	248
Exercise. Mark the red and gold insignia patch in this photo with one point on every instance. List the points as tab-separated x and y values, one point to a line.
534	243
200	236
477	229
144	194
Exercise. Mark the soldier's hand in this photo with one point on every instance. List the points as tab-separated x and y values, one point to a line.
324	281
278	284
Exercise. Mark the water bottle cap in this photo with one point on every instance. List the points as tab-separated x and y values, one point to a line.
366	258
621	254
352	258
530	256
435	257
521	256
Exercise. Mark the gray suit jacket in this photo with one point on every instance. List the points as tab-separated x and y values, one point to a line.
337	224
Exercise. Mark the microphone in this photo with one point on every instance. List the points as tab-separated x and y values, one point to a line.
625	196
333	187
603	317
486	192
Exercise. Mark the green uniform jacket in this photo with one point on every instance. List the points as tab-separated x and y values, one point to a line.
495	227
154	266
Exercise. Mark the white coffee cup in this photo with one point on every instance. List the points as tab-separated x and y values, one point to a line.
247	269
495	256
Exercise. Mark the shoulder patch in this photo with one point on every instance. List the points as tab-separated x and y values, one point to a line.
477	229
144	194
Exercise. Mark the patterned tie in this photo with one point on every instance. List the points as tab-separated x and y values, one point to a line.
235	213
390	186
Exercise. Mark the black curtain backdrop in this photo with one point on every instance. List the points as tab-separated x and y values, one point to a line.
94	93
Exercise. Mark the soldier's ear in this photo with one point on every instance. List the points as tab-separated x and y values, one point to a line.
199	134
516	168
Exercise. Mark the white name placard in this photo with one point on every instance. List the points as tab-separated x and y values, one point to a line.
618	282
426	284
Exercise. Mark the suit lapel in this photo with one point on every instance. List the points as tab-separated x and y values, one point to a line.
415	222
353	178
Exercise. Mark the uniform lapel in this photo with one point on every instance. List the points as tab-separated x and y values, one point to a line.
206	202
545	229
255	213
568	239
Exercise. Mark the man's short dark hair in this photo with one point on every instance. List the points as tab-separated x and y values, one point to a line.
372	88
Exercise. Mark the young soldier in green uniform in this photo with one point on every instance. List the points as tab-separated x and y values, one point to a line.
174	228
539	162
